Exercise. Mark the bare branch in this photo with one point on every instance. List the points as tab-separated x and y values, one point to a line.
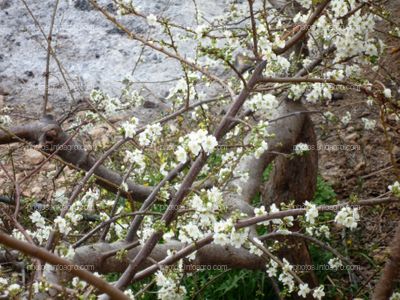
50	258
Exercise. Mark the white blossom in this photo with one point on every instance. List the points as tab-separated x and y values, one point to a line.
201	140
274	209
260	150
5	120
15	287
130	127
335	263
395	296
311	213
324	230
368	124
272	268
37	219
209	143
387	93
136	156
395	188
130	294
262	102
254	249
170	287
305	3
319	292
62	225
150	134
303	290
301	148
151	20
346	118
180	154
348	217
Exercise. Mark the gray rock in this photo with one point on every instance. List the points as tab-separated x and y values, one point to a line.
91	50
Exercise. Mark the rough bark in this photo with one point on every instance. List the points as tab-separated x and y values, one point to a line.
210	255
295	179
391	273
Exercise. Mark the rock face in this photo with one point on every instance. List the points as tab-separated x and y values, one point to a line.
92	51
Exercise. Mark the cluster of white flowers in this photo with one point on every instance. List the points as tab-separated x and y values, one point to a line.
206	207
78	283
322	230
340	8
301	148
319	292
259	134
150	134
346	118
276	65
201	29
329	116
129	128
368	124
14	289
264	103
221	230
337	74
272	268
90	197
5	120
147	229
62	225
296	91
285	277
335	263
319	91
312	212
395	189
288	221
195	142
305	3
353	38
42	230
260	211
387	93
37	219
227	166
151	20
136	156
260	150
169	287
304	290
130	294
189	233
3	282
60	197
108	104
254	249
395	296
181	155
348	217
74	215
132	96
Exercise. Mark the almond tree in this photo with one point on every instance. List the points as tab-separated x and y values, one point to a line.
243	102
